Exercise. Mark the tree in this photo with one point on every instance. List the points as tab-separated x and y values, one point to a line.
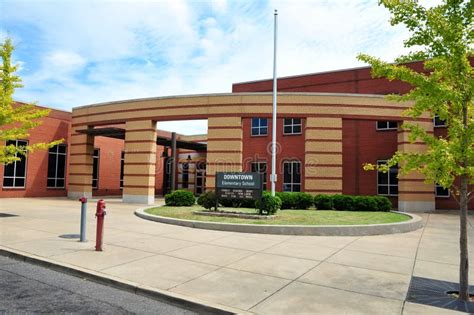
441	35
16	119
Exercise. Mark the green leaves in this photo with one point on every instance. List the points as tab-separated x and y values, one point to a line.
443	36
16	119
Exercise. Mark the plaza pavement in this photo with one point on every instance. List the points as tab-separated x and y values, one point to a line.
271	274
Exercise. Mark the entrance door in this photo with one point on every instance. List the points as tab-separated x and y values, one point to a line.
200	178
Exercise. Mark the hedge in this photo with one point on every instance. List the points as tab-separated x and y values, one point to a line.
268	204
207	200
352	203
295	200
180	198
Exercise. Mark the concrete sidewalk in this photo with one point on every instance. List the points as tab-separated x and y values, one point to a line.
246	272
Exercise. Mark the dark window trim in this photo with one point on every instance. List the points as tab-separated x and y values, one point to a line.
388	181
292	125
57	153
26	171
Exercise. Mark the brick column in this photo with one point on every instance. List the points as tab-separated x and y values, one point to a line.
323	155
140	162
413	194
224	147
80	166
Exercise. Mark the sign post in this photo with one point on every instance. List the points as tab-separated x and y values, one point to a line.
238	185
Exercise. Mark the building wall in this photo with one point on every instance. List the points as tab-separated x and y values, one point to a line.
358	80
258	149
54	127
363	143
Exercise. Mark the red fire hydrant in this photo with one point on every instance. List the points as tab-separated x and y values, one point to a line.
100	214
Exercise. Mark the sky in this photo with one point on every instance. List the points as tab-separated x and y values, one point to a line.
74	53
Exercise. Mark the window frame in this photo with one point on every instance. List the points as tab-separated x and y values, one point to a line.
265	173
441	196
259	127
98	168
292	183
389	194
56	178
292	125
14	177
387	125
122	169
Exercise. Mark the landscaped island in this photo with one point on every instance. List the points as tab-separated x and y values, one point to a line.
285	217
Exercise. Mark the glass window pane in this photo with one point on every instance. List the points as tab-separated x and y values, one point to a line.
392	124
297	187
62	148
9	169
286	173
7	182
19	182
382	190
255	122
393	190
287	130
60	183
382	178
286	187
51	182
61	166
263	122
381	124
297	129
21	166
51	165
296	173
263	131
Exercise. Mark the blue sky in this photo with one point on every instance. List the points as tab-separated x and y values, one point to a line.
82	52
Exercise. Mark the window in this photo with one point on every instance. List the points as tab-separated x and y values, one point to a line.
438	122
292	126
122	167
387	125
14	174
291	176
200	177
441	192
95	169
261	167
259	126
57	166
185	183
387	183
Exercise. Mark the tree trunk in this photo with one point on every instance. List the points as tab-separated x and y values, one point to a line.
464	263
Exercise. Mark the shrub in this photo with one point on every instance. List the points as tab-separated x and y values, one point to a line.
303	200
383	203
365	203
323	202
237	203
207	200
268	204
288	200
180	198
343	202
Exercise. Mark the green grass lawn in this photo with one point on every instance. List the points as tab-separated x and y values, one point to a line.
288	217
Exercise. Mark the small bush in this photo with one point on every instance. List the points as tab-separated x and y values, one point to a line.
323	202
383	203
268	204
343	202
180	198
365	203
303	200
207	200
288	200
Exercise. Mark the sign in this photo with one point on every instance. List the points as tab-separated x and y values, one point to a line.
239	185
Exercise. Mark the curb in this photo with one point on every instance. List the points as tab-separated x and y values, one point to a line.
169	297
311	230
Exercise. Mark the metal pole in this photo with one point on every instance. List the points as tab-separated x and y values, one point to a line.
173	161
274	116
82	236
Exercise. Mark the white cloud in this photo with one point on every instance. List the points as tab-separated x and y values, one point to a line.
86	52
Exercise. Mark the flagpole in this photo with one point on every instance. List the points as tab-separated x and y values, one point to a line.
273	176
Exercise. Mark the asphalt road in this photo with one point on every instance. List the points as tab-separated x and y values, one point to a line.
27	288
